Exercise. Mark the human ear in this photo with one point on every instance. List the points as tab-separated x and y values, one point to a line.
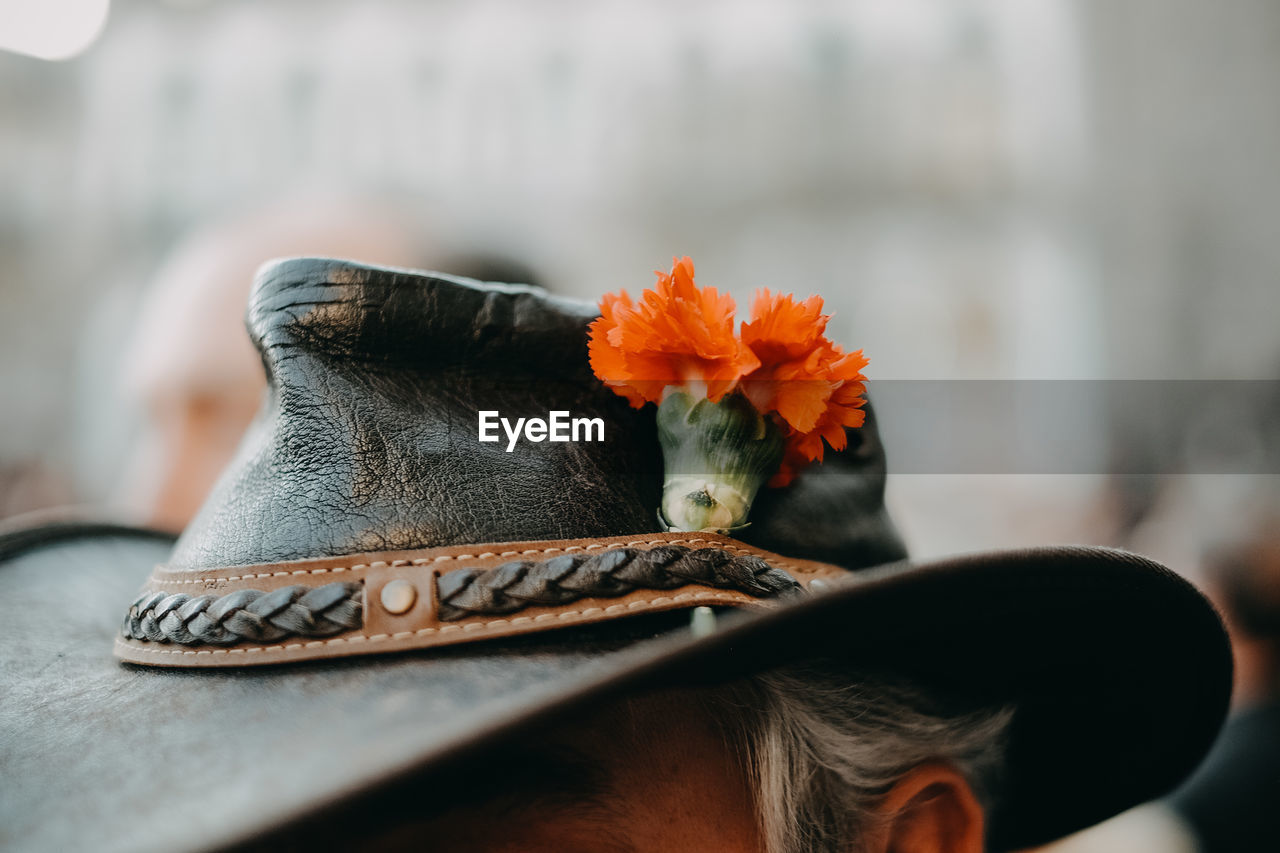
932	809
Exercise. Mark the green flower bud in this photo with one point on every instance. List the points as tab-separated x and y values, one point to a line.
716	456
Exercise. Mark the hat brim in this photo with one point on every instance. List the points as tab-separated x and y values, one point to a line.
1120	673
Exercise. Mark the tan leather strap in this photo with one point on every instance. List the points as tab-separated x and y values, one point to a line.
368	603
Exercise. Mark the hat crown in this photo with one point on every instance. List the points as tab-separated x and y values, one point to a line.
369	439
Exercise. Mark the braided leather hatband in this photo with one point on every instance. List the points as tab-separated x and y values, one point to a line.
375	602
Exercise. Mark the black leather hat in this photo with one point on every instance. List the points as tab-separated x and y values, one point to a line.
372	600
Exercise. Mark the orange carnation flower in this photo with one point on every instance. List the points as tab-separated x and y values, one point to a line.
788	339
815	387
844	409
677	336
680	336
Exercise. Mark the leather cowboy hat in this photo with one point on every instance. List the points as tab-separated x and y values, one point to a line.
372	602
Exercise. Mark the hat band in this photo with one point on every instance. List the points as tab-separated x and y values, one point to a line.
369	603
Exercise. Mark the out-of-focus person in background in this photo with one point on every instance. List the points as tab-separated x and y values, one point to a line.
1232	804
190	370
190	375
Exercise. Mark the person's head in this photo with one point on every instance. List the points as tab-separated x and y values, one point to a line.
795	760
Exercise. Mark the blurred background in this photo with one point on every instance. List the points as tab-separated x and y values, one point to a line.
982	189
1029	190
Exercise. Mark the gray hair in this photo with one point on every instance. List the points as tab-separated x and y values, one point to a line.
821	750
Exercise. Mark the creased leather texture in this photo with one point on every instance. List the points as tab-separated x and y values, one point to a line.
368	440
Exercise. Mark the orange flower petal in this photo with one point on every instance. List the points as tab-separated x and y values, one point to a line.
677	334
812	385
782	329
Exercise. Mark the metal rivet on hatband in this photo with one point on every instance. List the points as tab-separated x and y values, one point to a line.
398	596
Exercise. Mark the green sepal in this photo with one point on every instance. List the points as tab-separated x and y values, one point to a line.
716	457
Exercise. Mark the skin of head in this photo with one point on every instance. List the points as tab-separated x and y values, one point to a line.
657	774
